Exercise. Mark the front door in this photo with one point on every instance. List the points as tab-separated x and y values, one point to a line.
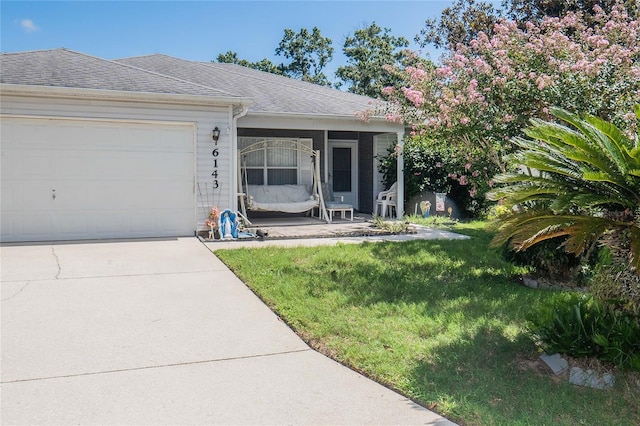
343	170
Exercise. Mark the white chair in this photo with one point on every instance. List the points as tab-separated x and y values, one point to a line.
387	201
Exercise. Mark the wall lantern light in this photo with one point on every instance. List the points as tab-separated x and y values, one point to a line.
216	134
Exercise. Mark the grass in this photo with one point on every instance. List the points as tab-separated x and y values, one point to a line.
442	322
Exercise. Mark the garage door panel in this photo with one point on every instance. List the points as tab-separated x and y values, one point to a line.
11	194
30	224
69	224
25	164
30	196
73	195
105	223
111	179
9	161
181	162
71	165
143	221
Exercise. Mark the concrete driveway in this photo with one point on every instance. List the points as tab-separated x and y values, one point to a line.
161	332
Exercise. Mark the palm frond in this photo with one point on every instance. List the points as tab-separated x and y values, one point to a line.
523	230
600	144
586	173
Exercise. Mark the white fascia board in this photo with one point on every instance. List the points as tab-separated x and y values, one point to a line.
318	122
80	93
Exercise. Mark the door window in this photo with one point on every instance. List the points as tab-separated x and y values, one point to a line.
342	170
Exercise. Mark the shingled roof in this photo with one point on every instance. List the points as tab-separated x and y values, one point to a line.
66	68
271	94
161	74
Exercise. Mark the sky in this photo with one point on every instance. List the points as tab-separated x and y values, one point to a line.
200	30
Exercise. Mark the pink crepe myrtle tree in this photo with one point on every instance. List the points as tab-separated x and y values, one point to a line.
484	93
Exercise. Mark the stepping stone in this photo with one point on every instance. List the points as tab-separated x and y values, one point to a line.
530	282
590	378
555	362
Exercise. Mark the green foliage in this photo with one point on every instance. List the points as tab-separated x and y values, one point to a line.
431	166
368	51
459	23
465	19
309	53
440	321
265	65
534	10
614	284
583	327
548	260
391	226
583	186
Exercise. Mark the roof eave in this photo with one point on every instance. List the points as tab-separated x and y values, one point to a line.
121	95
378	120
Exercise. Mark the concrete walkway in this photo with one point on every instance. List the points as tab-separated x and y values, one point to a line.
161	332
317	235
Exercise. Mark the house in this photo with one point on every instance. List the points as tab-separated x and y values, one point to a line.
94	148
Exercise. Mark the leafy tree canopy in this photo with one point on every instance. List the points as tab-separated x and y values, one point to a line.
309	53
486	92
465	19
262	65
459	23
368	51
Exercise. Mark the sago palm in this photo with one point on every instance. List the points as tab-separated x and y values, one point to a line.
580	180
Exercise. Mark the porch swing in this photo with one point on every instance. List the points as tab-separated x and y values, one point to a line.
285	198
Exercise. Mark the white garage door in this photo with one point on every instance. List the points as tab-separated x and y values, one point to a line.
81	179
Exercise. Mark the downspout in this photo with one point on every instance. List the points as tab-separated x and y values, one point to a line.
400	175
234	153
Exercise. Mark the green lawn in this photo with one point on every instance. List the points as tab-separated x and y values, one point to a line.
440	321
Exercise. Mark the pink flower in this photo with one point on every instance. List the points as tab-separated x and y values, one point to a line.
438	164
414	96
467	166
444	71
463	180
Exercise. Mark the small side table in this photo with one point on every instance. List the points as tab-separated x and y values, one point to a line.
342	208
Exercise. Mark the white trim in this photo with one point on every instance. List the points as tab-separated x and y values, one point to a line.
316	122
325	148
400	187
97	94
195	178
354	145
234	153
103	120
387	140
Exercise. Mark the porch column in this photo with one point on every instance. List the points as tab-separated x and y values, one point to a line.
400	177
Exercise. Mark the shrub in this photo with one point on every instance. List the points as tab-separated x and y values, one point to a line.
432	166
581	326
548	260
613	284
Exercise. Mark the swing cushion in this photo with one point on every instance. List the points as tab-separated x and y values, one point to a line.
281	198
